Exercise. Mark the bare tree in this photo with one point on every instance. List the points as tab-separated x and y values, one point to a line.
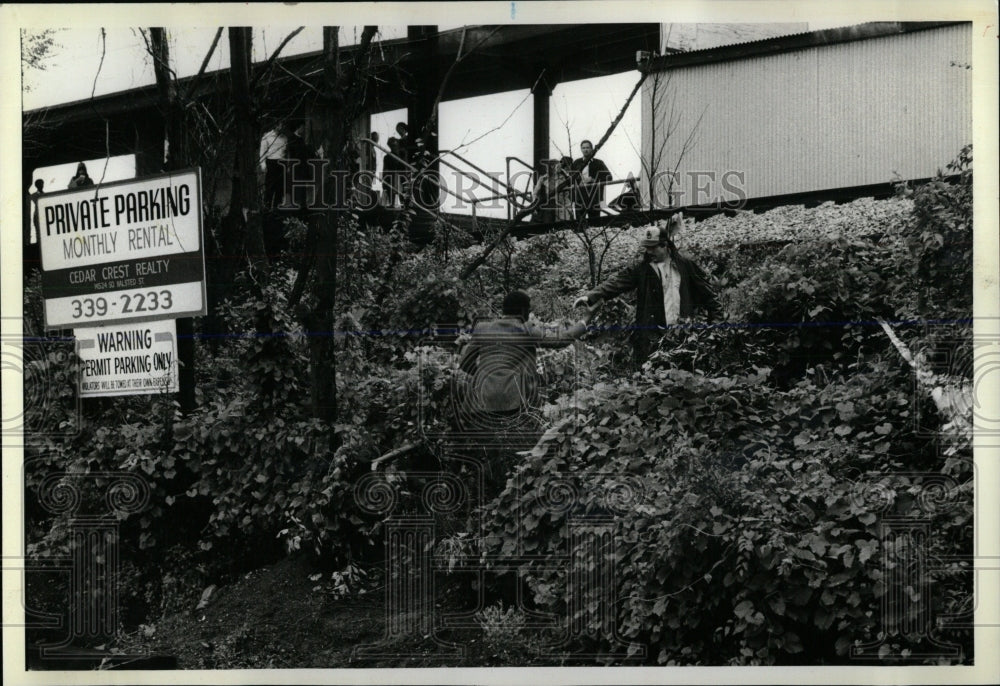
175	136
423	161
665	118
566	124
191	135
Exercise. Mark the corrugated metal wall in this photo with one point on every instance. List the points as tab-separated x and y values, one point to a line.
848	114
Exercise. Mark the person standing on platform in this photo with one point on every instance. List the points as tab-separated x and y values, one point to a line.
405	142
371	162
392	173
590	174
544	193
368	198
564	189
82	178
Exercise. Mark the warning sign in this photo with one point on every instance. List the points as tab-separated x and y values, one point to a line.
129	359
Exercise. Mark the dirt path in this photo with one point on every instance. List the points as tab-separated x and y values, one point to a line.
274	617
283	616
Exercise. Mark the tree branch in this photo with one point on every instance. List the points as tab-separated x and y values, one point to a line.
621	113
298	78
689	141
476	263
204	65
447	77
156	46
465	144
274	56
93	89
392	454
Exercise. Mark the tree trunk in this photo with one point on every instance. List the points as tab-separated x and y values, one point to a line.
322	342
245	197
173	112
340	102
175	134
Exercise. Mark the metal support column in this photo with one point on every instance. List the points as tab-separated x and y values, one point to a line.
543	91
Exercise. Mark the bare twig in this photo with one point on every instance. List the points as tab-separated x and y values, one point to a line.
465	144
604	251
689	142
158	62
93	90
297	78
104	46
447	77
566	126
274	56
145	39
204	65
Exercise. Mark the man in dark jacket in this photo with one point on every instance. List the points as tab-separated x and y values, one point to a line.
590	174
668	287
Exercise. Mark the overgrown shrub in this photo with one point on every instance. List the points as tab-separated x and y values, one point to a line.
745	528
939	240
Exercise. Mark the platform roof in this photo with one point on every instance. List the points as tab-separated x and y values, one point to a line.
508	57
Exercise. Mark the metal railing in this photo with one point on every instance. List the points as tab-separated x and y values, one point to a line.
528	186
510	193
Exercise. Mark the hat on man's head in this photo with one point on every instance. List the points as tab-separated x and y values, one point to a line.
664	231
668	228
652	236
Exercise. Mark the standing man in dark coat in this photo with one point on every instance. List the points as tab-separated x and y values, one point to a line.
406	146
590	174
668	287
